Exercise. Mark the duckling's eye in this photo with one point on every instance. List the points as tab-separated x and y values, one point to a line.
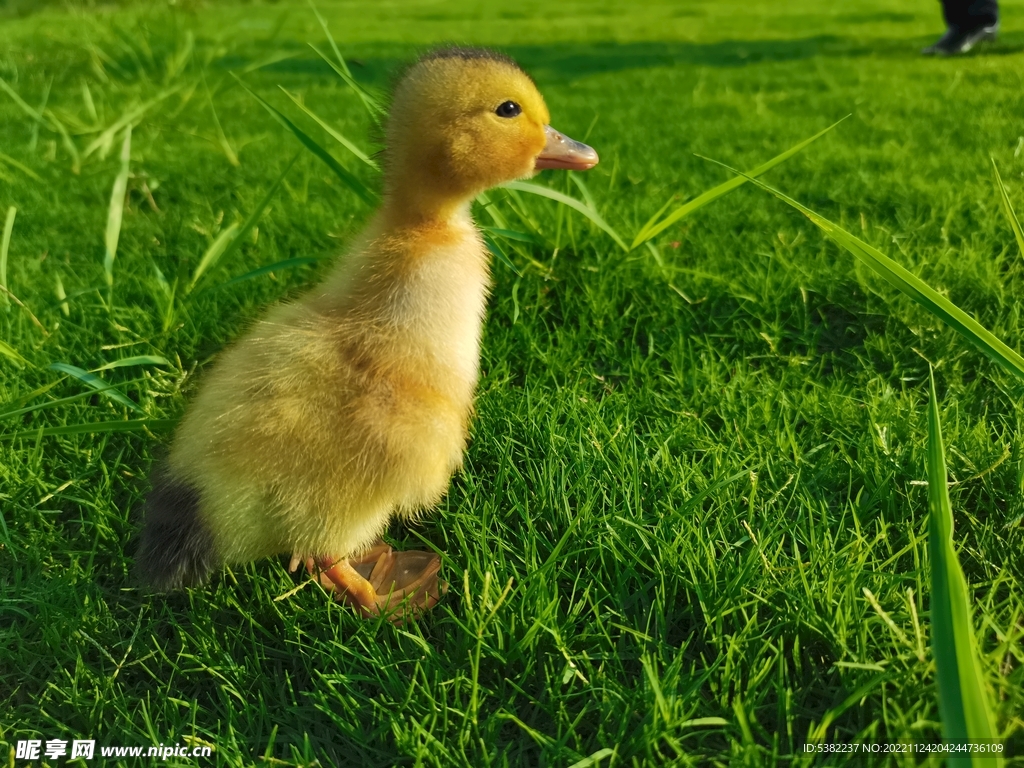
508	109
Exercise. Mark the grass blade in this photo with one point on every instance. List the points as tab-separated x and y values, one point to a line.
116	210
129	361
334	134
67	141
651	229
61	295
12	406
94	381
1008	209
577	179
214	252
164	298
651	221
31	315
34	140
20	166
5	245
267	61
33	113
963	702
372	106
15	406
229	240
275	267
12	354
485	202
175	65
594	759
225	145
104	140
576	205
40	119
97	427
911	285
340	171
330	38
511	234
499	253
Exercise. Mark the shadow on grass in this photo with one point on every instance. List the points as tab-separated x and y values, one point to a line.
582	59
880	17
377	63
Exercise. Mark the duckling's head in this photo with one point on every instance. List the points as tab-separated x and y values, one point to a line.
464	120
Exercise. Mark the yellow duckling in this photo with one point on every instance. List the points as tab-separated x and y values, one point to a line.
351	405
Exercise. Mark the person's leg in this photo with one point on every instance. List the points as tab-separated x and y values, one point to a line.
954	13
969	22
980	13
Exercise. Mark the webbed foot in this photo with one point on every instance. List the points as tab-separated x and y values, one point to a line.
382	582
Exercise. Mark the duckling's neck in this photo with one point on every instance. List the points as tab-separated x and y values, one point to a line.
422	202
415	208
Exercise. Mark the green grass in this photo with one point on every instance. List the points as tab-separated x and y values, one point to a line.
688	463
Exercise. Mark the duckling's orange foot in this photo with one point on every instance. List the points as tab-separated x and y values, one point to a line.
382	582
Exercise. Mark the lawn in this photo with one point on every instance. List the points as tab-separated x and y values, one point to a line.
692	524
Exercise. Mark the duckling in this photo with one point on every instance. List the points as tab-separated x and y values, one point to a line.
350	406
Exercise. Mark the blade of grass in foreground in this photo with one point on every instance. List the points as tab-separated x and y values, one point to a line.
340	171
34	114
577	179
33	142
338	137
20	166
572	202
651	229
61	294
5	245
963	702
499	253
229	240
68	142
49	120
910	284
15	406
94	381
131	425
488	205
511	234
1008	209
593	760
126	362
225	145
372	106
106	138
330	37
10	352
16	403
116	210
213	253
277	266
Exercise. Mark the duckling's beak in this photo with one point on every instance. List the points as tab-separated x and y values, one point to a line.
563	152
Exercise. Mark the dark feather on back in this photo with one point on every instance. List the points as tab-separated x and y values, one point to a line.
175	548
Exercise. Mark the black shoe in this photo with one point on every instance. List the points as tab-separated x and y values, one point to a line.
957	40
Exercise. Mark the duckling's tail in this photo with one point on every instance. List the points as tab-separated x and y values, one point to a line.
175	548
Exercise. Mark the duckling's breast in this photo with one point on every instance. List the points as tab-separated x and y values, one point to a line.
439	305
416	298
410	309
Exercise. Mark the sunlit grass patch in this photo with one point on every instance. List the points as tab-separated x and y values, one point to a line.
693	523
